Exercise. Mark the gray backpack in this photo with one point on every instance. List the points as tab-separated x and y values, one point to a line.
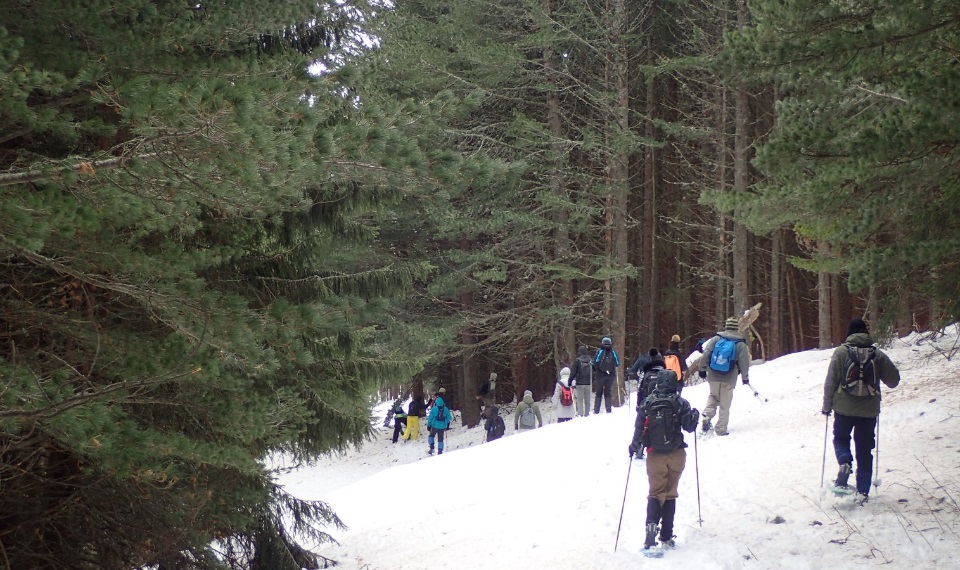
528	418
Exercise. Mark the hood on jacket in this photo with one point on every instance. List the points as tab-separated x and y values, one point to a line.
859	339
528	398
666	382
565	376
732	335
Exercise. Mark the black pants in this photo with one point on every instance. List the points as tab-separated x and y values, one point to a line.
398	425
605	390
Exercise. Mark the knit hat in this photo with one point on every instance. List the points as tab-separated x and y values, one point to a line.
528	393
606	342
857	326
442	391
675	338
653	353
732	324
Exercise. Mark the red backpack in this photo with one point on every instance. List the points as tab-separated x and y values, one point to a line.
566	396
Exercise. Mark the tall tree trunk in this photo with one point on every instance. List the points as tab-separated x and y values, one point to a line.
565	333
722	274
824	324
741	262
618	128
468	387
776	295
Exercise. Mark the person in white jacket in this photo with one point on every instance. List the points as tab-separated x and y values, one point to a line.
563	392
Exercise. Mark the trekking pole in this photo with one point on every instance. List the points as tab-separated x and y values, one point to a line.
622	507
826	427
876	478
757	394
696	471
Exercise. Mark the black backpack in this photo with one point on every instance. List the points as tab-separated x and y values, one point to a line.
662	424
605	362
499	428
648	382
861	379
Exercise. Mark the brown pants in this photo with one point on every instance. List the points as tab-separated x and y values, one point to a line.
663	473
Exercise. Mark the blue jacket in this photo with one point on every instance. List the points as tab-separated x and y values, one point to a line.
434	420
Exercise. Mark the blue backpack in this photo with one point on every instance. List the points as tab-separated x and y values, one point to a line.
724	355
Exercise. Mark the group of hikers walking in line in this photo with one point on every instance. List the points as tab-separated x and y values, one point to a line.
851	394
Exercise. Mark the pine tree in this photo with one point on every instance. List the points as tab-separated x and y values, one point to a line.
863	156
192	280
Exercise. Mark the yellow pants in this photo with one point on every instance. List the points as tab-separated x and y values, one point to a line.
413	428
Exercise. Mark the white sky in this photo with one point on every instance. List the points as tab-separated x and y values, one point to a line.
551	498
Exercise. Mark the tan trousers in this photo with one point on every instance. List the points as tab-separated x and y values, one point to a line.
663	473
721	395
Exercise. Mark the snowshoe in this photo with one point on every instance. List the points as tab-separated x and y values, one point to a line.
652	552
842	491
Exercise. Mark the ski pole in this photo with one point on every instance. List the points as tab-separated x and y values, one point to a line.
622	507
876	478
757	394
826	427
696	471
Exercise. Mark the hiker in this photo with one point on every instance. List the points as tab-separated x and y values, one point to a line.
648	374
854	396
635	372
528	414
660	418
494	426
605	365
487	394
399	420
724	356
563	397
581	377
438	421
675	361
416	410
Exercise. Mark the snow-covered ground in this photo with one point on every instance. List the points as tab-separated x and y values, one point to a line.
552	498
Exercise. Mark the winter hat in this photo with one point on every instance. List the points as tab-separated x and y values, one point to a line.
528	393
442	391
493	376
653	353
565	376
732	324
675	338
857	326
606	342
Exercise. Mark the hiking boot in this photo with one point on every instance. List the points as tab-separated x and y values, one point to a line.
651	540
668	543
860	498
843	475
721	433
430	451
706	425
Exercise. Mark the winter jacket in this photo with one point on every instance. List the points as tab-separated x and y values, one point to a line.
742	359
835	399
637	368
524	404
563	412
582	372
416	408
434	420
689	418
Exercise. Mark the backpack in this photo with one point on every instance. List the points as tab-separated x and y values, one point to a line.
673	363
528	419
605	361
584	367
441	416
861	379
662	424
647	383
724	354
566	396
498	429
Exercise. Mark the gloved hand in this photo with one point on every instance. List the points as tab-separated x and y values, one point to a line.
746	382
632	450
825	412
702	373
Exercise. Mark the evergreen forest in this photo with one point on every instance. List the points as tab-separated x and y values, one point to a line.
228	229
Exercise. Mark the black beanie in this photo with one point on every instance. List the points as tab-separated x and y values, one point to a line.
857	326
653	353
